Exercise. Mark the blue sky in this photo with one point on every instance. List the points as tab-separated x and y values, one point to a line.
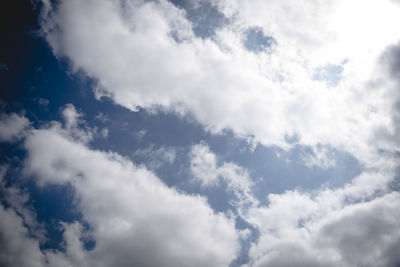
199	133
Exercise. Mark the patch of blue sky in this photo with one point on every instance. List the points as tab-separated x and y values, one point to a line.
275	170
203	15
246	243
256	41
330	74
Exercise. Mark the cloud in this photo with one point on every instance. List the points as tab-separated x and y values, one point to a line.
154	157
350	226
19	248
76	127
17	199
12	126
20	233
330	80
354	225
208	172
203	165
389	78
16	248
42	101
101	117
130	48
320	157
134	218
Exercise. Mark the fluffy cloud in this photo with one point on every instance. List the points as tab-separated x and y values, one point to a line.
354	225
135	219
349	226
12	126
16	248
144	54
389	78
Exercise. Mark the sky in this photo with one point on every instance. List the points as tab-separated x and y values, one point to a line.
199	133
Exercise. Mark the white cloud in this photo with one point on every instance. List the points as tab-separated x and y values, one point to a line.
17	249
12	126
208	172
76	127
128	47
349	226
134	217
17	200
73	120
354	225
20	233
203	164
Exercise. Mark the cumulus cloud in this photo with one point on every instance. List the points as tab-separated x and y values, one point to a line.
20	233
17	200
12	126
20	248
356	225
16	248
131	49
389	78
135	219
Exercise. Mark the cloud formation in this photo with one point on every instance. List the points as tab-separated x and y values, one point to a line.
265	70
206	170
299	230
132	50
135	219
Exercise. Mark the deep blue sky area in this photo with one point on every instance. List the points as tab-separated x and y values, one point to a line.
35	83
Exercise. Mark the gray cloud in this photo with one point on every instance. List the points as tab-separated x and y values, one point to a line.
12	126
